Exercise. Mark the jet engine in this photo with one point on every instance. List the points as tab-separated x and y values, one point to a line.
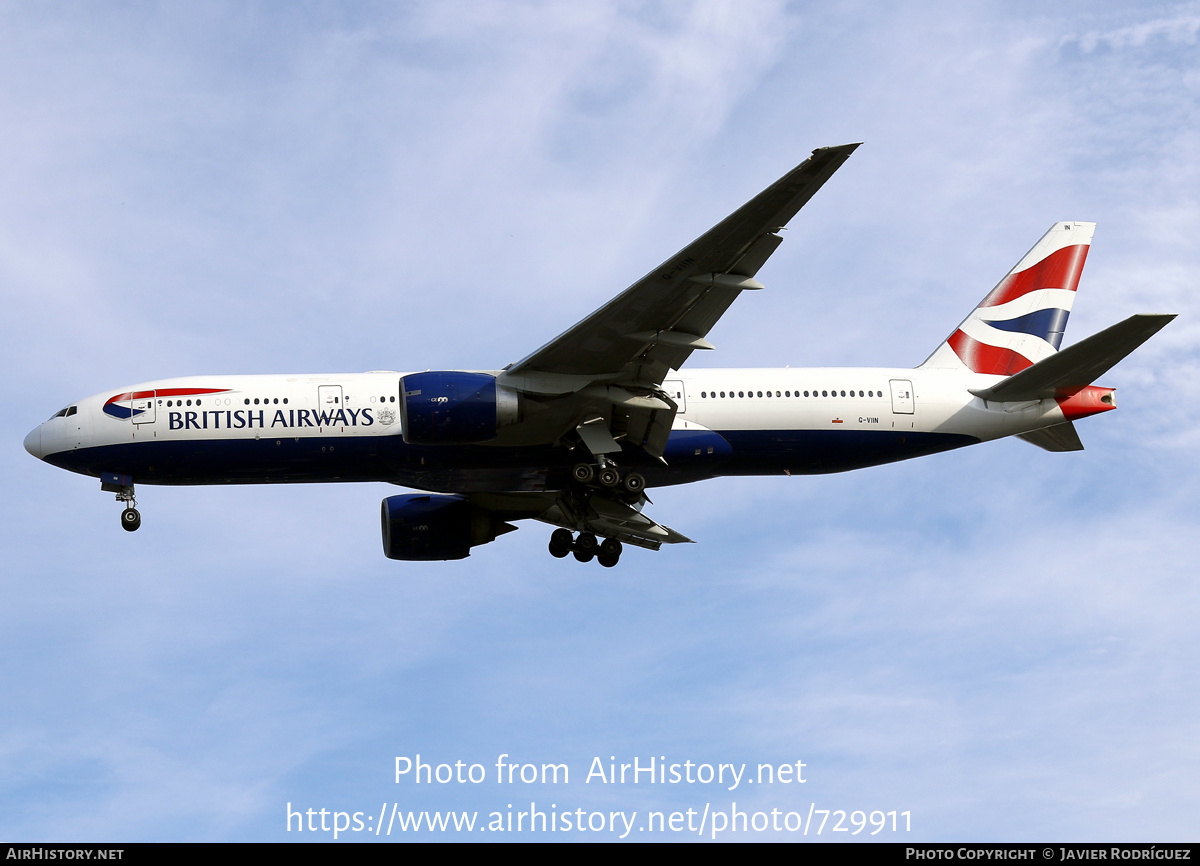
451	407
430	526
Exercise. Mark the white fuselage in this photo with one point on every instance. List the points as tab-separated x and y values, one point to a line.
223	429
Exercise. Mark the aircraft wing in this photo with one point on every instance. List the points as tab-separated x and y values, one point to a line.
655	324
601	381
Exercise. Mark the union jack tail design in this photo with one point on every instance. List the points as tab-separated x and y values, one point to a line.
1022	320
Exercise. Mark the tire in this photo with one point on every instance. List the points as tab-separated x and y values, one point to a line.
607	561
635	482
561	541
583	473
586	543
609	477
611	549
130	519
584	557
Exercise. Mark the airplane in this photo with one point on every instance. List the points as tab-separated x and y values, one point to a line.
574	434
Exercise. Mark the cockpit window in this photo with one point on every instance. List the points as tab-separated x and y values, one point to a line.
65	413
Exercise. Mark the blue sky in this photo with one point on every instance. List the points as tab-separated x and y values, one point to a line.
1000	640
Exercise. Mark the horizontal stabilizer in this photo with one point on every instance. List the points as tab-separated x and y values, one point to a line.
1077	366
1060	437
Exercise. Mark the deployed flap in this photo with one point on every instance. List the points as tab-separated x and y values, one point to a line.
619	341
605	517
596	437
612	519
1077	366
1060	437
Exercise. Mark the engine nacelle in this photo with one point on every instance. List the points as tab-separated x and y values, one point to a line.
432	526
450	407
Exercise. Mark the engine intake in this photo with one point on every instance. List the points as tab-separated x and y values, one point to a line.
431	526
450	407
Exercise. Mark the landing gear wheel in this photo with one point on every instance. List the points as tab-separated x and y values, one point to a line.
584	556
583	473
561	541
586	543
610	552
634	482
130	519
608	477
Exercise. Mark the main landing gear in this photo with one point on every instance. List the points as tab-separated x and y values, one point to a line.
607	476
585	547
602	480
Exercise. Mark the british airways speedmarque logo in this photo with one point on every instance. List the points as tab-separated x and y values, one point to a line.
1024	317
125	406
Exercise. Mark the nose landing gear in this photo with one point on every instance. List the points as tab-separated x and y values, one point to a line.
122	485
131	519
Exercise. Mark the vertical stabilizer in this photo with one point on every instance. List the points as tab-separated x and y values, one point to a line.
1022	320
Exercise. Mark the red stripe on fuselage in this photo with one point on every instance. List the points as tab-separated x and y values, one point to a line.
164	392
188	392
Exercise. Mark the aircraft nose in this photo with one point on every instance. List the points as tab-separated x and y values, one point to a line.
33	443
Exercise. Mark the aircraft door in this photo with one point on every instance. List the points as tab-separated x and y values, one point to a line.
329	403
139	405
902	397
142	404
675	390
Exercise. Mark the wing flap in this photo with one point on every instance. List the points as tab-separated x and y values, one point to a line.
611	519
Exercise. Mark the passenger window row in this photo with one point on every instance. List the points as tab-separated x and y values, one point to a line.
265	401
708	395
